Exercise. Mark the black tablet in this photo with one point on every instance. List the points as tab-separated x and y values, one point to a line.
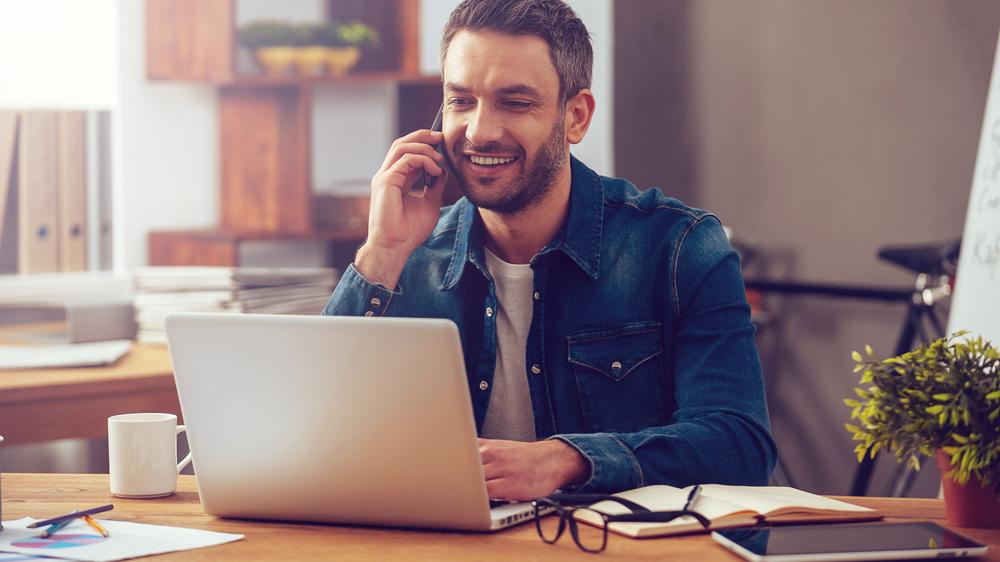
851	541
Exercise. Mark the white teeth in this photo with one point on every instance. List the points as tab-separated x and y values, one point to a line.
484	161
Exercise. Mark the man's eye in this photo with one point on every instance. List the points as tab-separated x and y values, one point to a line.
459	102
518	104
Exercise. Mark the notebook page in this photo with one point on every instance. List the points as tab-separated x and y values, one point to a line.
771	499
668	498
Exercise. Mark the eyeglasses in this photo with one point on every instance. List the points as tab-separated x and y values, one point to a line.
568	508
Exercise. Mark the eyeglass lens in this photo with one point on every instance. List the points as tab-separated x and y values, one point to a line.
591	536
550	526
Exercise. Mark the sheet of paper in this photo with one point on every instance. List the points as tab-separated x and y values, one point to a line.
69	355
13	557
78	541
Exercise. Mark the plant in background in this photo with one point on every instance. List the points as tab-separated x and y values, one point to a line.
354	34
942	397
269	33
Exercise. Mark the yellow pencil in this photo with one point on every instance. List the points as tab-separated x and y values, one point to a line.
97	526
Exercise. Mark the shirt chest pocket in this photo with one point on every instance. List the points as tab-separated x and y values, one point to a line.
620	376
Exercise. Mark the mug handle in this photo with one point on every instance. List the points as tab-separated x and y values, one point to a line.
187	459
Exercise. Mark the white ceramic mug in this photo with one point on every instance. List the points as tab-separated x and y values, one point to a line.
142	454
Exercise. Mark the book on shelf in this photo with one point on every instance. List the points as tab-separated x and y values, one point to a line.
726	507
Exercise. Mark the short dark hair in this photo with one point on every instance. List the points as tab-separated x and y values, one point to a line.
551	20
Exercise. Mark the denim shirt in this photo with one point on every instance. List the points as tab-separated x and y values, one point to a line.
640	353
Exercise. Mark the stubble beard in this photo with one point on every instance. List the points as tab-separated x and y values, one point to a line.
525	191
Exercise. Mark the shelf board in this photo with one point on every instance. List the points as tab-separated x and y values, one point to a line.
222	235
356	78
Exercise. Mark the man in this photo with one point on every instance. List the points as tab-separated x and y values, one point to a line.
605	330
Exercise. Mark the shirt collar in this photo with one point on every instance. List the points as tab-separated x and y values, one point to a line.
579	238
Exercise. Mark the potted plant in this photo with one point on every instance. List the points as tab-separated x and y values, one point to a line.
310	54
941	400
343	44
273	43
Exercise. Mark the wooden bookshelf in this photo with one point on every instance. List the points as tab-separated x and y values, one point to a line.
196	40
218	246
265	122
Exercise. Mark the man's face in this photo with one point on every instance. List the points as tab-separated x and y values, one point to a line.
503	123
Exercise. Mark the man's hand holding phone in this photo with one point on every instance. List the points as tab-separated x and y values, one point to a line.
400	219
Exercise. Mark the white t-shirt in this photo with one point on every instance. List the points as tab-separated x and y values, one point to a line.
509	414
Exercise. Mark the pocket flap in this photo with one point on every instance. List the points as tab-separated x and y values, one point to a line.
617	352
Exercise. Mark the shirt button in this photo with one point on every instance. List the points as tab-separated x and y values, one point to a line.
489	312
369	313
616	366
376	302
536	369
538	296
483	385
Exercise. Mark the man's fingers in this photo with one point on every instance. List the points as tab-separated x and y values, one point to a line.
408	166
492	471
425	136
420	135
487	453
398	150
498	489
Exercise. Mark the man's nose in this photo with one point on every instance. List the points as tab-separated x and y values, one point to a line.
483	127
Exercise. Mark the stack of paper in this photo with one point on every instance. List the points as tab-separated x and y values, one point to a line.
161	290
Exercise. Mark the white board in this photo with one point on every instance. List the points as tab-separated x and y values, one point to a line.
976	302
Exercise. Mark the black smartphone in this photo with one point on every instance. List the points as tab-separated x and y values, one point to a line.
436	126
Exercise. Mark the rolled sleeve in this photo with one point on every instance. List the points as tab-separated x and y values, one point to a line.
613	465
356	296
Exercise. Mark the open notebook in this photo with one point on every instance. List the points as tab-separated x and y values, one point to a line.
727	506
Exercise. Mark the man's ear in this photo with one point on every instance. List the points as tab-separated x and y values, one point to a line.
579	112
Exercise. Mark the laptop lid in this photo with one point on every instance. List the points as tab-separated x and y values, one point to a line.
329	419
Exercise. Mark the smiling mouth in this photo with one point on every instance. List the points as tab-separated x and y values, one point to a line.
490	160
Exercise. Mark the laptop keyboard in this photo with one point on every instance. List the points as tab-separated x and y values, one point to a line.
499	503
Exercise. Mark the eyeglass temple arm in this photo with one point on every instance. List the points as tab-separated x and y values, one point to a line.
587	499
658	517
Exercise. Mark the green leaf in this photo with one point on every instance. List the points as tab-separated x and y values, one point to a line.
857	356
942	397
933	410
869	351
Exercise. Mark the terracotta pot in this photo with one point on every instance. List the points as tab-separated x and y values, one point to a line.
339	60
310	60
275	59
971	505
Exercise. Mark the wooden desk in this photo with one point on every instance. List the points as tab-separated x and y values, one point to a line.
43	404
44	495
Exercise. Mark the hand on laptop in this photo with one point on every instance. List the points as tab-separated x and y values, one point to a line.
521	471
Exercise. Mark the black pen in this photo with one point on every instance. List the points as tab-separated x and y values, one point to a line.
692	497
73	515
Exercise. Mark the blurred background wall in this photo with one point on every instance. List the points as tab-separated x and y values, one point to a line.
819	131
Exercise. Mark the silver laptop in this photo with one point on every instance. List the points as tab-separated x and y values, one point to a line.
332	419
